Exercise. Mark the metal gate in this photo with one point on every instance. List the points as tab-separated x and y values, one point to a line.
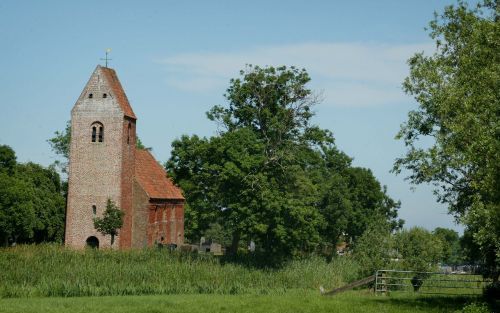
429	282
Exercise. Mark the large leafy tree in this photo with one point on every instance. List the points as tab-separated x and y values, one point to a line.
452	252
269	175
31	201
458	91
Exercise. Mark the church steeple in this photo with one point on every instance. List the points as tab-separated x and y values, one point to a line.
105	164
102	158
104	83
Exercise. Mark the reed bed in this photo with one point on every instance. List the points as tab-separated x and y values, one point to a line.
52	270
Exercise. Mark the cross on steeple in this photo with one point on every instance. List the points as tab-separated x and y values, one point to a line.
106	59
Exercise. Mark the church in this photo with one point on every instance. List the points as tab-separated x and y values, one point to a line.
104	164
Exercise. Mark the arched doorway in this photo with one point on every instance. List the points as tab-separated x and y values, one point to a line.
92	242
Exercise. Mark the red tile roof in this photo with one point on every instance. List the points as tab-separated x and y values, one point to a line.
153	178
118	92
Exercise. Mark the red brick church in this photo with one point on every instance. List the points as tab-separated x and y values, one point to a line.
105	163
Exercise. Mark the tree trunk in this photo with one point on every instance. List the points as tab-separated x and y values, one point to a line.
235	243
112	239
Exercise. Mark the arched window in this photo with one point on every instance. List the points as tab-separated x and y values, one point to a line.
128	133
97	132
94	210
90	96
104	95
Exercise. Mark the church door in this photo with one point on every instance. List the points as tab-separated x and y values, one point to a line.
92	242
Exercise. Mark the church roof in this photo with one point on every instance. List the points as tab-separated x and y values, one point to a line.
153	178
118	92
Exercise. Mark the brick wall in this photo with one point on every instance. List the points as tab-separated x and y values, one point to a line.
127	180
166	222
140	219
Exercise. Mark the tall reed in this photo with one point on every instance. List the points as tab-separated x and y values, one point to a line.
51	270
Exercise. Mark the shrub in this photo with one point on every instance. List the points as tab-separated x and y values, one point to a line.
474	308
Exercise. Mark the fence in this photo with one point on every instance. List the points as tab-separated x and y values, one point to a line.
428	282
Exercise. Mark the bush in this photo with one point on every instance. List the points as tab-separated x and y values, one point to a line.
372	257
419	250
474	308
492	291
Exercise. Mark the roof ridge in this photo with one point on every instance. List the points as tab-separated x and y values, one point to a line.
117	88
153	178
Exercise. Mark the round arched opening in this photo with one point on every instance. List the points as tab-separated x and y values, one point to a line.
92	242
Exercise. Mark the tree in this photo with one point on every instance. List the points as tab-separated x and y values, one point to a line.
249	175
110	222
268	175
457	91
370	256
452	254
418	249
17	213
7	159
31	201
351	200
60	144
48	201
216	233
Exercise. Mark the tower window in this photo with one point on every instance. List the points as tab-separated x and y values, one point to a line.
91	96
101	134
128	133
94	210
104	95
97	132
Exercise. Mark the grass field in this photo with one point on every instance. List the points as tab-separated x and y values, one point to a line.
52	271
49	278
291	301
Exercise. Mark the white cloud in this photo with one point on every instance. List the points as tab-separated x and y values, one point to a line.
349	74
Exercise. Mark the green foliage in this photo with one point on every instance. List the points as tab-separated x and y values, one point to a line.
139	145
470	249
7	159
375	248
457	89
353	199
452	252
271	177
216	233
111	221
17	213
492	292
31	202
418	249
474	308
60	145
53	271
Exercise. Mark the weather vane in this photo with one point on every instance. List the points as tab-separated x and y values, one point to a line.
106	59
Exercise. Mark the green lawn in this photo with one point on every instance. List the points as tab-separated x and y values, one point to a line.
292	301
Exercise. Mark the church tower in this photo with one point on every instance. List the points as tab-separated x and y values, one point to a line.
102	160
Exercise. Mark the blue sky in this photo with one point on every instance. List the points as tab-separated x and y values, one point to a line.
175	59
